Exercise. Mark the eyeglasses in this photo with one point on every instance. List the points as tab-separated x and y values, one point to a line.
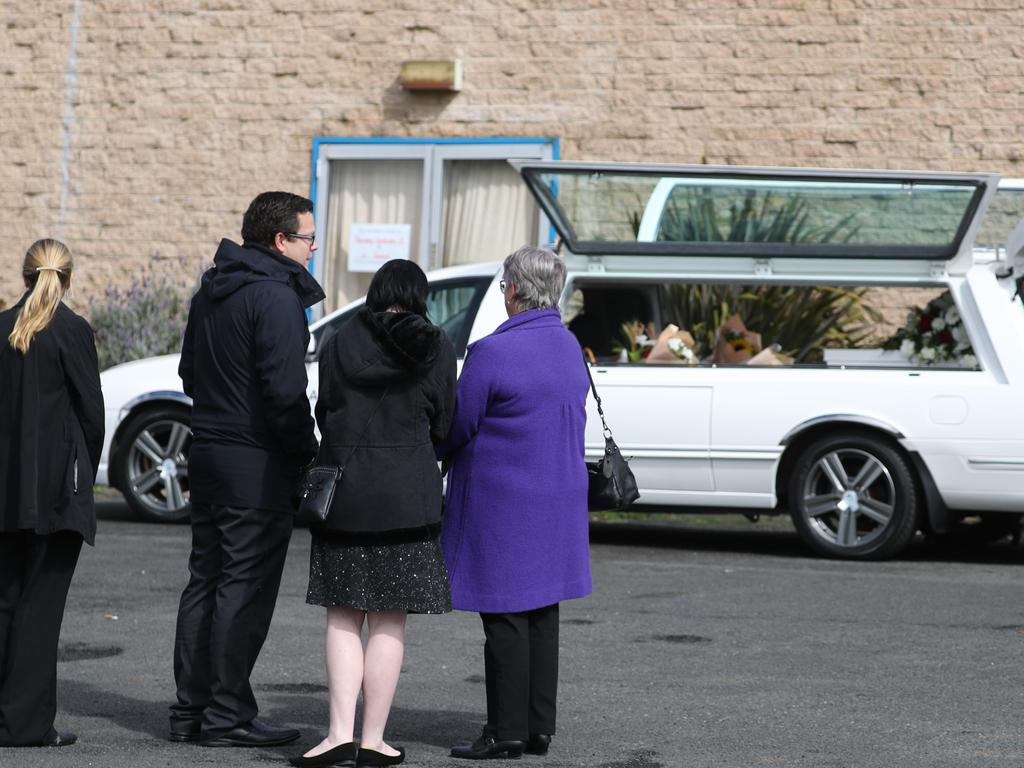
502	285
296	236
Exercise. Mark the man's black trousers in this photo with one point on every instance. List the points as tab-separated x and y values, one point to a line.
237	558
521	672
35	574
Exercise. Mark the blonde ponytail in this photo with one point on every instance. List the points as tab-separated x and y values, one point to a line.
47	272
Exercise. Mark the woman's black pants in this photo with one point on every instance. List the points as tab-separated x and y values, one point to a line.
521	671
35	574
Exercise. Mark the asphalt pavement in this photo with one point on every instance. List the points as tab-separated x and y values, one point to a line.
698	648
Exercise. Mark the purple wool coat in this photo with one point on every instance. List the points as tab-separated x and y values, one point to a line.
515	534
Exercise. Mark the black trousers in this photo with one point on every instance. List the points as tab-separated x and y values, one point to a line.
35	574
235	570
521	670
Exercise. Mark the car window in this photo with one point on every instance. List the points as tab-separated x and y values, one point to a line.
452	305
328	329
1003	214
718	324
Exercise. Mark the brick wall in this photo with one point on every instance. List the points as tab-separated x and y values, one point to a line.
146	139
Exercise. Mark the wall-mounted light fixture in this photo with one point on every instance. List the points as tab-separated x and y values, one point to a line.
439	75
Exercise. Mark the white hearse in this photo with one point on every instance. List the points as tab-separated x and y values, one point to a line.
782	392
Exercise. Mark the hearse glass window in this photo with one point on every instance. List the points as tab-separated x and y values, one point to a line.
605	212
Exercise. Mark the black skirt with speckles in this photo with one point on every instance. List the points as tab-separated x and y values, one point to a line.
376	575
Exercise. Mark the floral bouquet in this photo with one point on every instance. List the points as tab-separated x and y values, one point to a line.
734	343
673	346
640	341
935	335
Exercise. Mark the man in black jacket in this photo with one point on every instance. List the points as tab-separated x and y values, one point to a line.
243	364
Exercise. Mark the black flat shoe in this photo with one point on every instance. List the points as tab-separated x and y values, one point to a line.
373	757
538	744
341	756
253	734
487	748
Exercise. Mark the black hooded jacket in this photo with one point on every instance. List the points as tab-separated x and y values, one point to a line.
391	483
243	365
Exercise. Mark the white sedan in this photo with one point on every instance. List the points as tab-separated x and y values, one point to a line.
862	447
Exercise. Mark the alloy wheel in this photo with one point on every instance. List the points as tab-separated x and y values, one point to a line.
849	497
157	468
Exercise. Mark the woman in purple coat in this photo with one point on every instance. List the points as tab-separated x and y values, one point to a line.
515	529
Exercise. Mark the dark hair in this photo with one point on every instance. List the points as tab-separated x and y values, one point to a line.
398	284
270	213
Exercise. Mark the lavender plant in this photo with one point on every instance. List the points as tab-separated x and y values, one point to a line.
145	318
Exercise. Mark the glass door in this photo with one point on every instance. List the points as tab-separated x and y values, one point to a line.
449	201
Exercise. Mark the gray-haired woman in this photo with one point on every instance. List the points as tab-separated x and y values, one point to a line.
515	529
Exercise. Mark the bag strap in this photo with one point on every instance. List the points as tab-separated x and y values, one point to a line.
597	397
366	426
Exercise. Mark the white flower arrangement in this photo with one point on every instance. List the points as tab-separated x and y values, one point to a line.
678	348
935	335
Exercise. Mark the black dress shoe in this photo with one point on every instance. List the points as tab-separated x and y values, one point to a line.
252	734
373	757
57	739
487	747
538	744
341	756
180	733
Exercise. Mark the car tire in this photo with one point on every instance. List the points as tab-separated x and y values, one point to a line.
151	464
853	495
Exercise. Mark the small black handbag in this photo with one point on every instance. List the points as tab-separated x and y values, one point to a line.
316	492
611	484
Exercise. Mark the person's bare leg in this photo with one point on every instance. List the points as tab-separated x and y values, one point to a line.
383	663
344	653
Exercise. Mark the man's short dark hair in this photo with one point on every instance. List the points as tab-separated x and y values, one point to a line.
270	213
398	284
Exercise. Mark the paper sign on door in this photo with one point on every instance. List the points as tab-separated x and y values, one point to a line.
370	245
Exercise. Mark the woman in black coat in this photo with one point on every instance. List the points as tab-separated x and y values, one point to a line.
51	434
387	391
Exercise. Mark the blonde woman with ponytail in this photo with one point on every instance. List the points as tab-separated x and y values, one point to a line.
51	434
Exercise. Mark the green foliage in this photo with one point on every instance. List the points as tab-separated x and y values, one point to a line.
758	217
800	319
143	319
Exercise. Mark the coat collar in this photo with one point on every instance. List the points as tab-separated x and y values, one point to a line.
535	318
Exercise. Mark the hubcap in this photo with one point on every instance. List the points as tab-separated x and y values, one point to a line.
849	497
158	467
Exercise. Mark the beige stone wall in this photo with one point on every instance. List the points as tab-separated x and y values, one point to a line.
147	138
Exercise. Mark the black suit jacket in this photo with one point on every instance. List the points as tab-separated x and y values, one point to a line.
51	427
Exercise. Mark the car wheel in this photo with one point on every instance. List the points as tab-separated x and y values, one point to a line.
152	464
853	495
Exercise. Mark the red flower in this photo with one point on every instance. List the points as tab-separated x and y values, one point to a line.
924	324
945	338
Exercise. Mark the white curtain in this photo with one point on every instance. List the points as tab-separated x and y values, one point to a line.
366	192
488	212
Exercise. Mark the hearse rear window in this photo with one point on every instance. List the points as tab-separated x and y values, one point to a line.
725	212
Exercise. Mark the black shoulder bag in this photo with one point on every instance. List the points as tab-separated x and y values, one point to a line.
611	484
318	484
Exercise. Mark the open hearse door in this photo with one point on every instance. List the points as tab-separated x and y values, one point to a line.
776	387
